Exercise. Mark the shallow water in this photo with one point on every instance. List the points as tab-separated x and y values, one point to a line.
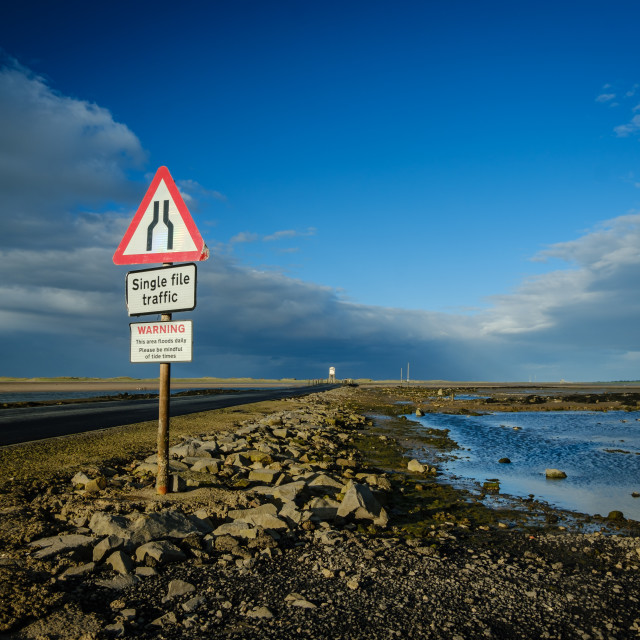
575	442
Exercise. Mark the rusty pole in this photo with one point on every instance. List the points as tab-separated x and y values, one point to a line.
162	479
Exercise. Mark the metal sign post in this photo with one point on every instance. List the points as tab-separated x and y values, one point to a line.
152	240
162	479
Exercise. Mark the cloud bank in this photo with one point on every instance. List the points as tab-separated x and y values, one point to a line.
67	197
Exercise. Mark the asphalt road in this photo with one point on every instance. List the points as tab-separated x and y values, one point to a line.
25	424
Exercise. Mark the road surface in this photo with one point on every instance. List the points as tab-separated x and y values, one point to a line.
25	424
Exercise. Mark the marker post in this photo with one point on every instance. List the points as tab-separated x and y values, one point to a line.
162	479
151	291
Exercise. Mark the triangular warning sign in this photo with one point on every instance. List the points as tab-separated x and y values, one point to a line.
162	229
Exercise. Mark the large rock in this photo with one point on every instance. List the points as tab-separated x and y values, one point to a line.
106	524
265	476
145	527
186	449
120	562
162	551
72	543
360	504
323	508
166	524
555	474
178	588
264	516
416	467
236	529
290	491
78	572
325	484
207	465
107	546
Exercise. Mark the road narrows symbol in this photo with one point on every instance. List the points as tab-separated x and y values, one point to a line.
154	222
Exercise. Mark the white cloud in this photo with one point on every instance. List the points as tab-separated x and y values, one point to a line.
193	191
290	233
625	130
605	97
244	236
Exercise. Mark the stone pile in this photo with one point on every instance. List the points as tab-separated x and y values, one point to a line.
295	471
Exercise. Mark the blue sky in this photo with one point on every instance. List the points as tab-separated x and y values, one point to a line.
455	184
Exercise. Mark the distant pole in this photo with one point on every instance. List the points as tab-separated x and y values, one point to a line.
407	373
401	375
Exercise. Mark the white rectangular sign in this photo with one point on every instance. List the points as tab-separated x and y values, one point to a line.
162	341
161	290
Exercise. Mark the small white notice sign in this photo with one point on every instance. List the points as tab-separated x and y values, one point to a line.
162	341
161	290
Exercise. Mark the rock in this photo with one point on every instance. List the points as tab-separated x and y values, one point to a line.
165	524
297	600
504	461
178	588
361	504
290	491
80	479
73	543
259	456
328	538
165	620
187	449
96	485
264	476
78	572
177	484
104	524
281	433
146	572
416	467
259	612
325	484
162	551
191	605
115	630
291	513
236	529
152	468
616	516
323	508
419	412
120	562
303	604
206	465
264	516
108	544
118	583
201	521
353	584
555	474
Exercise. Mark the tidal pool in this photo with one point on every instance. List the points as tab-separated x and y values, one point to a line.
600	453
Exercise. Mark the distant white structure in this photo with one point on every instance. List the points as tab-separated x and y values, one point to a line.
332	374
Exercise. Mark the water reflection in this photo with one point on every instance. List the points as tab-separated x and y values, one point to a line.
600	452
